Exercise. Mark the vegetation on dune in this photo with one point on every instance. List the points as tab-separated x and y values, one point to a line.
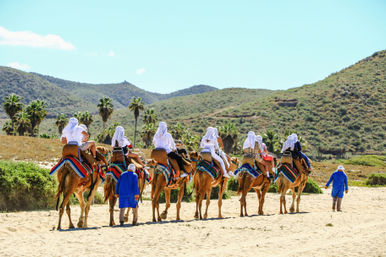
376	179
25	186
367	160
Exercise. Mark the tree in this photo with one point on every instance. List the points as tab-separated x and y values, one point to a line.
148	131
36	111
105	108
272	141
84	118
149	116
136	105
12	105
228	134
8	128
23	123
191	141
177	131
61	121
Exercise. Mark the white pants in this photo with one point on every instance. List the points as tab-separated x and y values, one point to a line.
224	157
220	160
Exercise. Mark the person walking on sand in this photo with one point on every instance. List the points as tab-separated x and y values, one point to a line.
339	185
128	192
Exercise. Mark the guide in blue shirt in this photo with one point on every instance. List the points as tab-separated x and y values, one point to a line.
339	186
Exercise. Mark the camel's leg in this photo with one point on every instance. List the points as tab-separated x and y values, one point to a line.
89	201
197	202
164	214
201	196
112	201
242	204
66	198
300	190
262	198
207	202
126	219
179	199
292	209
79	195
220	194
282	199
68	211
155	203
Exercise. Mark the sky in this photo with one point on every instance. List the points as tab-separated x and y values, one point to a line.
163	46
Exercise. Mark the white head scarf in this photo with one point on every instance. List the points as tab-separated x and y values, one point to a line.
215	132
250	140
259	139
70	127
131	167
161	131
84	127
119	136
210	135
287	144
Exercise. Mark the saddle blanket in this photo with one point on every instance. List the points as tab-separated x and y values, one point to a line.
116	169
81	168
253	171
207	167
288	172
166	171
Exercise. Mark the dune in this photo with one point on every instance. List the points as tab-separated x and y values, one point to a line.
360	230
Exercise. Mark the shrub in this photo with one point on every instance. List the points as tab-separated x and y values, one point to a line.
367	160
232	184
98	198
188	196
376	179
273	188
25	186
311	187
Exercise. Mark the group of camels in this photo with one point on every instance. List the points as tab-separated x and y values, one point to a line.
70	183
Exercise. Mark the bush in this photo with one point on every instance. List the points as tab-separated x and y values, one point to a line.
311	187
232	184
25	186
273	188
376	179
367	160
188	196
98	198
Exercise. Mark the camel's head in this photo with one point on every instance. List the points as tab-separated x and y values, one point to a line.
194	157
103	154
151	163
234	164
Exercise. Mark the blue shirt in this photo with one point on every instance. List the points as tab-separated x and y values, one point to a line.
127	185
339	181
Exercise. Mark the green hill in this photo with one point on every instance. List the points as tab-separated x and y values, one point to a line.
31	87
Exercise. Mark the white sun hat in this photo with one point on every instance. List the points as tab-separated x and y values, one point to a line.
340	167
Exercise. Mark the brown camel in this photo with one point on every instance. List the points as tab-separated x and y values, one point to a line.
70	183
260	184
159	183
284	184
203	184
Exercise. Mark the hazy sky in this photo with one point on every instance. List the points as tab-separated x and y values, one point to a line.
165	45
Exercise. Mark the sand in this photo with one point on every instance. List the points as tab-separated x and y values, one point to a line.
360	230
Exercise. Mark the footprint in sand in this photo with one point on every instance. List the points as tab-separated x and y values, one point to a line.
12	229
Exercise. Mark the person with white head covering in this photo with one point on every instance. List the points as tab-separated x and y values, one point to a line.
163	140
128	192
121	141
263	150
208	144
72	133
339	186
219	148
287	145
250	142
85	145
297	150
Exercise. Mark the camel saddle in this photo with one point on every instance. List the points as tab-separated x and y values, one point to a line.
248	159
206	156
70	150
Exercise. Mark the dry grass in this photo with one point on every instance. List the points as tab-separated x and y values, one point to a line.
48	150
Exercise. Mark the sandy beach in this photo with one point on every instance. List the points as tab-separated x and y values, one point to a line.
360	230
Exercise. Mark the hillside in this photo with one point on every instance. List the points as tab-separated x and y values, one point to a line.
31	87
121	93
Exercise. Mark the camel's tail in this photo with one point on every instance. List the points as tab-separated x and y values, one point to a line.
108	188
61	185
242	179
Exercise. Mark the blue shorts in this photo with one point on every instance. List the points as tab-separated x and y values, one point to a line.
125	202
337	193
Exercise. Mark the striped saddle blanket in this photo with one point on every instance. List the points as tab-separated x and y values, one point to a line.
167	171
253	171
288	172
116	169
81	168
209	168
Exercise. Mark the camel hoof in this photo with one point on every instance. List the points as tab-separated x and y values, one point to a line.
196	216
154	220
205	216
285	212
292	209
241	215
261	213
58	228
71	226
164	215
159	219
80	224
220	216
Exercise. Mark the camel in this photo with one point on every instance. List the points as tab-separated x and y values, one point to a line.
203	184
70	183
159	183
284	184
260	184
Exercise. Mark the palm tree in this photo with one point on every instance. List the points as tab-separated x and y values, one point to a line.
12	105
36	111
8	128
149	116
191	141
23	123
177	131
272	141
105	108
228	134
136	105
148	131
86	119
61	121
